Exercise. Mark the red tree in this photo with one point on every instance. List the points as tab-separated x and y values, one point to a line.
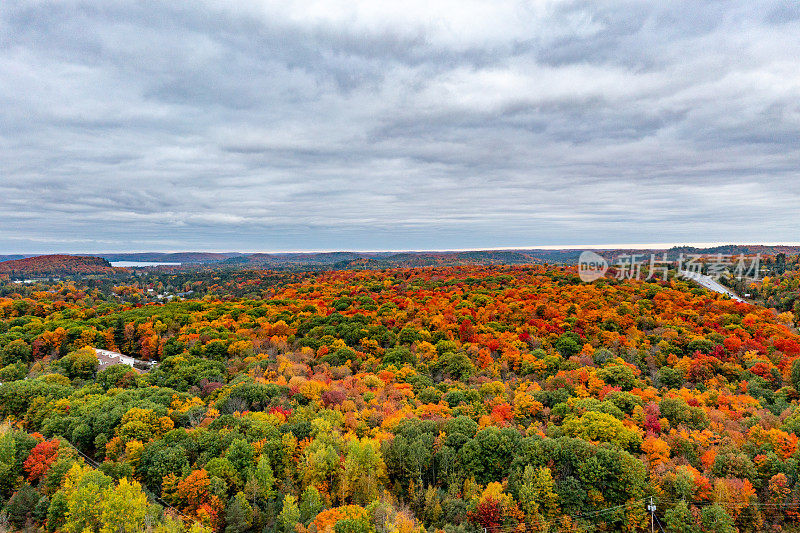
41	458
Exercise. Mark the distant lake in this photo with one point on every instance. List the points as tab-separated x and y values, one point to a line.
134	264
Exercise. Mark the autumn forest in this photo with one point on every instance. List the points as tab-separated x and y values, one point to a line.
450	399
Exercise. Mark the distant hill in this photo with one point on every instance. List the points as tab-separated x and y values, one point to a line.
11	257
378	260
55	265
176	257
284	260
478	257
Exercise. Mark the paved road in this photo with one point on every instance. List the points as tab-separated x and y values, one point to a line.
710	283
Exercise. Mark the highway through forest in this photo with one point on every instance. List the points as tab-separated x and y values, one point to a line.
710	283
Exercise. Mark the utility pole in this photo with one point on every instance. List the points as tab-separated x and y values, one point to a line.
652	508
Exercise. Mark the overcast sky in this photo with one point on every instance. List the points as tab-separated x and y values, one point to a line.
263	126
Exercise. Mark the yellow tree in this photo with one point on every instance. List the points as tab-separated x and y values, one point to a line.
123	508
84	490
364	471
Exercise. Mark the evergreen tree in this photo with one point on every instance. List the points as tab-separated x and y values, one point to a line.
239	514
21	505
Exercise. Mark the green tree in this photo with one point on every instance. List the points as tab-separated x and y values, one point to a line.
488	456
456	365
238	515
459	430
310	504
578	467
795	375
264	478
40	510
715	519
16	351
568	344
364	471
57	512
159	459
240	454
679	519
527	495
537	494
322	462
58	471
399	356
13	372
290	514
223	469
618	375
409	456
21	505
216	349
80	363
7	462
109	377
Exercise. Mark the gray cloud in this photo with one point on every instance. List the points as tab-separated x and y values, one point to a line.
356	125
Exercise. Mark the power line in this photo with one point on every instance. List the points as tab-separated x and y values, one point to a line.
96	465
656	520
659	523
741	505
553	521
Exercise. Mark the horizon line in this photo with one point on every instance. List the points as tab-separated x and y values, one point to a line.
611	246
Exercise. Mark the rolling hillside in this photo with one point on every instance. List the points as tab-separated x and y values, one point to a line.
55	265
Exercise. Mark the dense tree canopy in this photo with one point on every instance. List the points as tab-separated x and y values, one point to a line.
455	399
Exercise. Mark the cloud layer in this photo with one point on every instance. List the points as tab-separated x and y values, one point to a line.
370	125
